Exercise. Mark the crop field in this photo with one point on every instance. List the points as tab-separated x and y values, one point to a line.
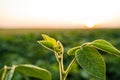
19	46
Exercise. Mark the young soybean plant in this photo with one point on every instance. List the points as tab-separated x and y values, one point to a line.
86	55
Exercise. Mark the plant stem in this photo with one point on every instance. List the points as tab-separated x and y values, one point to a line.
61	65
4	73
69	67
61	68
12	72
63	73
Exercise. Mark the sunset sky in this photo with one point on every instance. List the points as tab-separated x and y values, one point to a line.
54	13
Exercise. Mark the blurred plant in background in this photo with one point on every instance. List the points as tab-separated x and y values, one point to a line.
22	48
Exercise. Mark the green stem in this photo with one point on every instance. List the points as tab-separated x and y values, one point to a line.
4	73
61	65
12	72
69	67
61	68
63	73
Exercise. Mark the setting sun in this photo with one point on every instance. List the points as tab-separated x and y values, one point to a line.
58	12
90	25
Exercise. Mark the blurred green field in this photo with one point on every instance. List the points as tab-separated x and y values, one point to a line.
19	46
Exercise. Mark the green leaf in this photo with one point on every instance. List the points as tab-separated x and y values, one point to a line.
90	60
34	71
73	50
47	45
49	39
106	46
48	42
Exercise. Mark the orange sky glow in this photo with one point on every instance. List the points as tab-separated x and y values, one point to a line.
59	13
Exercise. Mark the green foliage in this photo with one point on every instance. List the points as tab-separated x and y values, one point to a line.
25	69
86	55
20	47
48	42
51	44
72	51
34	71
90	60
106	46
